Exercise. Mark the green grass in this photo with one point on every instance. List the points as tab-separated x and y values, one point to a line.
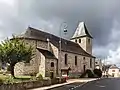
17	79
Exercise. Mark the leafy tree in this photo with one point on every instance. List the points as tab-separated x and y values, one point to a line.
14	51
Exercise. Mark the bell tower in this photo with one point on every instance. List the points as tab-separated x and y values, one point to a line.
83	37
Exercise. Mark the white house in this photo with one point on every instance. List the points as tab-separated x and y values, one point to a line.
114	71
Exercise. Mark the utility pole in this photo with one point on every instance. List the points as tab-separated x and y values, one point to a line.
104	66
63	26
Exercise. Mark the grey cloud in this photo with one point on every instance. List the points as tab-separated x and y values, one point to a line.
99	16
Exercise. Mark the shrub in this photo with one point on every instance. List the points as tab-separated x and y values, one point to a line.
83	74
9	80
8	68
90	73
87	72
1	81
98	72
39	76
33	78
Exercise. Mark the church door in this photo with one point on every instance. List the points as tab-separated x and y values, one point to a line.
84	67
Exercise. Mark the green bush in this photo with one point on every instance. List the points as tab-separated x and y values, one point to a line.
9	80
97	72
1	81
8	68
83	75
33	78
90	74
39	76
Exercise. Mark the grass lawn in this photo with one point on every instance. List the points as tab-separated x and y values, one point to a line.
9	79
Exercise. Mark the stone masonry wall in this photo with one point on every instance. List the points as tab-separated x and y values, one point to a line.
33	66
87	46
71	62
42	65
55	50
27	68
48	67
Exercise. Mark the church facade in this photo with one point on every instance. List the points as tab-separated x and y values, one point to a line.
75	57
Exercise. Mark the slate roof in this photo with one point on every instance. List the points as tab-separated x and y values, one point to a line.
113	67
47	53
81	31
67	45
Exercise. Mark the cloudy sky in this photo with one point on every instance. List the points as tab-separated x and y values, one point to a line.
102	18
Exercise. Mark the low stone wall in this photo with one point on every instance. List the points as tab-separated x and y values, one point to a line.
31	84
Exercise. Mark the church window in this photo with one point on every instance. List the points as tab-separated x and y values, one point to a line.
83	58
79	40
96	62
75	60
88	40
76	40
66	59
90	63
52	64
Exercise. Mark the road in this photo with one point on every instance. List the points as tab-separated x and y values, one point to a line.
103	84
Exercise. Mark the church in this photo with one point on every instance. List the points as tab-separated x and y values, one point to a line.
74	57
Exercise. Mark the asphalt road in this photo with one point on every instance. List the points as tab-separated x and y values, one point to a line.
103	84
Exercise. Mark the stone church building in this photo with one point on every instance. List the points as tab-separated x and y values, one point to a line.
76	53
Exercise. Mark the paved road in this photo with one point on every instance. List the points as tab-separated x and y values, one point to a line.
68	87
104	84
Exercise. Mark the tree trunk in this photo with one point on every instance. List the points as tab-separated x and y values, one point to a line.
12	70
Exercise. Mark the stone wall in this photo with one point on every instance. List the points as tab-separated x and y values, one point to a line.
37	64
27	68
87	46
31	84
42	65
54	50
34	65
42	44
48	67
80	62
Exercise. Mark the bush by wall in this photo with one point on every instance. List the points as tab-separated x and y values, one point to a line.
39	76
31	84
90	73
87	73
98	72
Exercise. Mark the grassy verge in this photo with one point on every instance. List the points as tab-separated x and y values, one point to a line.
17	79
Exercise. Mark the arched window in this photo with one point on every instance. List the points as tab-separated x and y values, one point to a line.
75	60
89	40
76	40
79	40
90	63
65	59
52	64
83	58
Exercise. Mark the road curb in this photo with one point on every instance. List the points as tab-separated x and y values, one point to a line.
91	81
59	86
83	83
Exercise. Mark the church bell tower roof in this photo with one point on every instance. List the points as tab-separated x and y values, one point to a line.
81	31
